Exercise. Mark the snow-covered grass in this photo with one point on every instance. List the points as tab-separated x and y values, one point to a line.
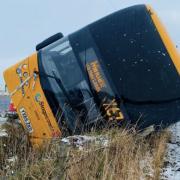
109	154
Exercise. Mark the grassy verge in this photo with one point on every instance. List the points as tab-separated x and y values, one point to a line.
126	156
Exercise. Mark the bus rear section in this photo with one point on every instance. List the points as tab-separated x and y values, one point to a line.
120	69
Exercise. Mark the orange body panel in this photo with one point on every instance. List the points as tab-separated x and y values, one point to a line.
32	107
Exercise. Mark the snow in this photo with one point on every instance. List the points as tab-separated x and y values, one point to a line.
79	141
2	131
2	120
171	171
12	159
3	93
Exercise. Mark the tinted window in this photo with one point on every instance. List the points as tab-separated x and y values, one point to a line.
135	56
64	84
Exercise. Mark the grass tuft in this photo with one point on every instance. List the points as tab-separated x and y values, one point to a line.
127	156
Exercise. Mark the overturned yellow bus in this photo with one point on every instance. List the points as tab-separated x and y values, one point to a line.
122	68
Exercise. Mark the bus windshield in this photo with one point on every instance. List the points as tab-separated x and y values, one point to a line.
64	84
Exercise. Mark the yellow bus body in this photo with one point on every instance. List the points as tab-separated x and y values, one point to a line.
31	106
33	109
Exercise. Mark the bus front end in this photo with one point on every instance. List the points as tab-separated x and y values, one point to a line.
28	97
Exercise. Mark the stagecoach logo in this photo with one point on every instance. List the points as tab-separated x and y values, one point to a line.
26	120
38	97
43	110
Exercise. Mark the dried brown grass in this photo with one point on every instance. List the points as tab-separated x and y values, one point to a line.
128	156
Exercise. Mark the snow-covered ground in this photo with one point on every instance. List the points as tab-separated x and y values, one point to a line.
80	141
171	171
2	131
3	93
2	120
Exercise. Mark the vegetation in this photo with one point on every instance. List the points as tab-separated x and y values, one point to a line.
126	156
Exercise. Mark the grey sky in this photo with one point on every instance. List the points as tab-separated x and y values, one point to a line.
24	23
